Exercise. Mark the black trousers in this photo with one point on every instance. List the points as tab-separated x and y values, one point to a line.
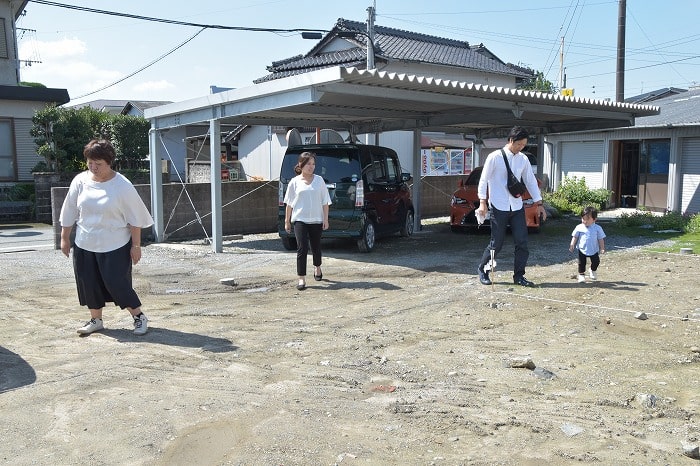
307	234
500	219
595	262
104	277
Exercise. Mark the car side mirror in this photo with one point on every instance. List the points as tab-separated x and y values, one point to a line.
406	177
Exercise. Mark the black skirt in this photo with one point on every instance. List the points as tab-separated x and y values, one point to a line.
103	277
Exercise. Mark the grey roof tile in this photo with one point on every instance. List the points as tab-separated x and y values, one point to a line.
676	110
394	45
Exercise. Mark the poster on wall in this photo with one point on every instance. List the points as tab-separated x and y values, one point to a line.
441	161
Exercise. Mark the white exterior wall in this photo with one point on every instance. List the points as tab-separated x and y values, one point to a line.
260	156
587	160
20	114
20	108
690	175
174	151
27	157
260	152
9	75
681	174
402	143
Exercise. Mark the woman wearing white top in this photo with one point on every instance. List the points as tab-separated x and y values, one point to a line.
307	202
108	215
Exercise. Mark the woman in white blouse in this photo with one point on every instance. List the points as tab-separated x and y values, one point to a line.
108	215
307	202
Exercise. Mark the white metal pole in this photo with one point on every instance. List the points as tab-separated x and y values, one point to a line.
216	208
154	148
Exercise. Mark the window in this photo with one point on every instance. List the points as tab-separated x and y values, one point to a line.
7	155
655	157
3	40
394	171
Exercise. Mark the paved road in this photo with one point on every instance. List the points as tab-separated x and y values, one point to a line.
26	237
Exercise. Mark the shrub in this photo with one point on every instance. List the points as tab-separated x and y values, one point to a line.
573	196
21	192
693	225
637	218
668	221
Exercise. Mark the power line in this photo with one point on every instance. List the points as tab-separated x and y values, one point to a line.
642	67
171	21
167	21
143	67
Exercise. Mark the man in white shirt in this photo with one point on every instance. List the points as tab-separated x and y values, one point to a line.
505	208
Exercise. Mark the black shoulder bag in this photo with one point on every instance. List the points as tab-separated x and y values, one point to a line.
515	186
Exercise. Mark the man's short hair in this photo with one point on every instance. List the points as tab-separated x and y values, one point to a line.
517	133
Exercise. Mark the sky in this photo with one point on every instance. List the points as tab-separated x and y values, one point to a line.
99	56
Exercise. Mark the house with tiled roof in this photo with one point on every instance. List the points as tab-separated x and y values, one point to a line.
136	107
400	51
654	95
654	164
394	50
18	104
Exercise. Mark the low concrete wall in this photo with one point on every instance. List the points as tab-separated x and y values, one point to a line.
43	184
248	206
436	192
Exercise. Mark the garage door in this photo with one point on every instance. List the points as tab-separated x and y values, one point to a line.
583	160
690	175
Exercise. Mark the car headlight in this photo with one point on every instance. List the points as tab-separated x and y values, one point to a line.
458	201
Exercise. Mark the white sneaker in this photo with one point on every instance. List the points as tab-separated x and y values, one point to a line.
140	324
581	278
593	275
90	326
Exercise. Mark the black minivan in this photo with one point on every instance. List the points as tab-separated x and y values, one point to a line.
369	193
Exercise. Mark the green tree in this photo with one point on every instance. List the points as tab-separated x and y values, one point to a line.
42	132
538	83
130	139
61	134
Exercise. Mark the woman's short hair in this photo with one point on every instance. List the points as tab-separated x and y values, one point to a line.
100	149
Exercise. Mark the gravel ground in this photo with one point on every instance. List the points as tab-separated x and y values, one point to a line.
399	356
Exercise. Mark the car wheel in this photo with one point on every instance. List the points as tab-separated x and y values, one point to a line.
289	243
407	229
369	235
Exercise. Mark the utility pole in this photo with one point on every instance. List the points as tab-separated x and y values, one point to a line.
620	72
562	84
370	36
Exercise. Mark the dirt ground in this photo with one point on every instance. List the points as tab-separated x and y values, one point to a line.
399	356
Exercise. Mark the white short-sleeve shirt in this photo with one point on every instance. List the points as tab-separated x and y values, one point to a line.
103	212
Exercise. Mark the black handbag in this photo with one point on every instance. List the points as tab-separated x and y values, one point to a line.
515	186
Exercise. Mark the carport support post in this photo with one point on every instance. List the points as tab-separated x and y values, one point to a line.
156	185
216	208
416	179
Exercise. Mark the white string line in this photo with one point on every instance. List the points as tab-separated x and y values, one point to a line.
593	306
433	186
184	189
198	218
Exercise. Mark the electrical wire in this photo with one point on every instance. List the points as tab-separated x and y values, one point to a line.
170	21
142	68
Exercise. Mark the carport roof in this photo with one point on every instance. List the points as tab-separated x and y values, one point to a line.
362	101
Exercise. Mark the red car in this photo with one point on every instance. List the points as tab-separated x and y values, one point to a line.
465	201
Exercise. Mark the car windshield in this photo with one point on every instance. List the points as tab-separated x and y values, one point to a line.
473	178
334	165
